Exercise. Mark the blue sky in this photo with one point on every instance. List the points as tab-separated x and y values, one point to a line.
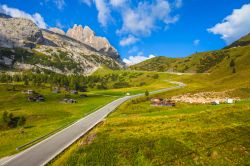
174	28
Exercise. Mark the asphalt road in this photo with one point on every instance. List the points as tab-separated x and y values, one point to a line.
46	150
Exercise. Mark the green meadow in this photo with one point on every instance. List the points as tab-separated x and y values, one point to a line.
138	133
45	117
41	117
141	134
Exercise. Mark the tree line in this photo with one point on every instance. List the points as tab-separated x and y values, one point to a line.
71	82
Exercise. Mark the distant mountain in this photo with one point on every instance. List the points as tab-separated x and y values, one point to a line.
23	46
88	36
159	63
200	62
196	63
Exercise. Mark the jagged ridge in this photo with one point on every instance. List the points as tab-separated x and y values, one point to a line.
26	47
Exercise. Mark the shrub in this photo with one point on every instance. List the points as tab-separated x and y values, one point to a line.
142	83
234	70
13	121
156	76
146	93
21	121
121	85
139	100
232	63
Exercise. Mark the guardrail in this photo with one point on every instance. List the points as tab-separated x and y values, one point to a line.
42	137
52	132
60	128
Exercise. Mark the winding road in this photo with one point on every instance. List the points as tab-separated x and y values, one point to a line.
46	150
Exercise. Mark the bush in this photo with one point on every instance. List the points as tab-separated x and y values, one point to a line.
155	76
142	83
139	100
232	63
13	121
234	70
121	85
101	86
21	121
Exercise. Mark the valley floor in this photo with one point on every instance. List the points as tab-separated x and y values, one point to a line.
53	115
138	133
141	134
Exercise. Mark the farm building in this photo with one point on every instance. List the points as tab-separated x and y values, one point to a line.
74	92
230	101
70	101
36	98
29	92
215	102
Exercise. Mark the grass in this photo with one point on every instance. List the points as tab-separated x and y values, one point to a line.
141	134
42	118
139	82
213	61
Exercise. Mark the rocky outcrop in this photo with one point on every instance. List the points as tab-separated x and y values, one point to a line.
6	61
57	30
88	36
23	46
19	32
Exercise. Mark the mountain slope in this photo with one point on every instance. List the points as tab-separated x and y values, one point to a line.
196	63
160	63
211	61
244	41
23	46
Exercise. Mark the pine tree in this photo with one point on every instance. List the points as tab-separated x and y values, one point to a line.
234	70
146	93
232	63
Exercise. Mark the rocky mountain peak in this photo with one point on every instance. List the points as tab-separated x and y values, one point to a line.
88	32
87	35
57	30
19	32
80	51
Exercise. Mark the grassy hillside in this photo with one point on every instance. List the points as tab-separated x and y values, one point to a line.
141	134
44	117
155	64
138	133
196	63
41	117
244	41
200	62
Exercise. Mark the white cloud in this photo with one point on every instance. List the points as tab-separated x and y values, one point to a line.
13	12
60	4
142	20
178	3
134	49
234	26
87	2
59	25
139	20
103	9
136	59
128	41
103	12
196	42
117	3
